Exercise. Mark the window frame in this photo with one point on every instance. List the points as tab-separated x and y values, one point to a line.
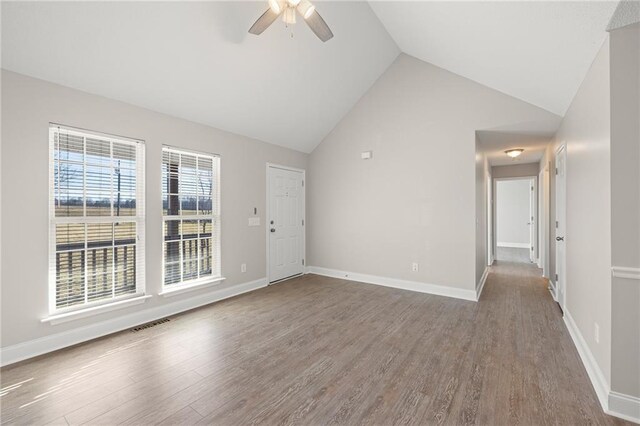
216	275
138	219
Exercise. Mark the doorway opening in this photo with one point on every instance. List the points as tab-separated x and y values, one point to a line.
516	231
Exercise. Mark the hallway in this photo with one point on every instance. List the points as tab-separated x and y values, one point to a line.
317	350
511	254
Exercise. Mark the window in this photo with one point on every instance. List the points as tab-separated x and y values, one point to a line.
96	218
191	218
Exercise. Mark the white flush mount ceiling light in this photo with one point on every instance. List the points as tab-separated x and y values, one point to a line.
288	10
513	153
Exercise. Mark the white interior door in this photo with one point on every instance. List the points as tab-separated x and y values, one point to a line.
285	223
561	205
532	221
489	220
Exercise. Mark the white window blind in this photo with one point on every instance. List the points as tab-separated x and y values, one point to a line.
96	218
191	217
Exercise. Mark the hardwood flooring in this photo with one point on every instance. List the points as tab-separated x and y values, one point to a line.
512	254
320	351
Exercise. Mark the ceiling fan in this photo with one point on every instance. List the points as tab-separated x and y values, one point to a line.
288	8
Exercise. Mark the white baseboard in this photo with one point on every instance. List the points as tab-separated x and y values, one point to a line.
43	345
480	285
596	376
515	245
624	406
613	403
552	290
421	287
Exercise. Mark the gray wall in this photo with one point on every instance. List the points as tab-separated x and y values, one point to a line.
512	211
482	177
586	132
602	130
28	105
515	170
415	200
625	207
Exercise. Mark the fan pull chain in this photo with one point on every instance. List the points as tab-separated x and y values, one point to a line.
287	27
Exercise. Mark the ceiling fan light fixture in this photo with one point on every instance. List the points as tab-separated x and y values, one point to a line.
288	9
276	6
305	8
513	153
289	15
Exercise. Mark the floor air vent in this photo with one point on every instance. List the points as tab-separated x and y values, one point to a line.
150	324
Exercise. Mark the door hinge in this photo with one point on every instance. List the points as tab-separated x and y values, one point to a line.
556	278
556	223
532	188
531	248
302	222
303	183
556	170
303	262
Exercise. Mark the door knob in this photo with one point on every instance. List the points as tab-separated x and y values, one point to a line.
273	229
559	238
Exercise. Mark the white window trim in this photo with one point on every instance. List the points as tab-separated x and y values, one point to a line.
191	286
58	315
95	310
195	284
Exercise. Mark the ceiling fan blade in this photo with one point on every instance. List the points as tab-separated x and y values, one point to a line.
263	22
318	26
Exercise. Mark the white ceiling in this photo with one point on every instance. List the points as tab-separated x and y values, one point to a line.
627	13
195	60
495	143
537	51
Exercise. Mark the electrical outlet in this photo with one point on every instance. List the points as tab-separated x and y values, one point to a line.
243	267
414	267
596	332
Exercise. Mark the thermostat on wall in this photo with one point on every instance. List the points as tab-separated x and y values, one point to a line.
366	155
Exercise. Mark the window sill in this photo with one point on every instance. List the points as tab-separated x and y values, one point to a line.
168	292
95	310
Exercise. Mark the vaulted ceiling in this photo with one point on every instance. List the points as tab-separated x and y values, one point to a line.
195	60
537	51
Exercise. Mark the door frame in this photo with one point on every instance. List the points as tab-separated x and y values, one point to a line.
540	231
533	231
562	301
490	252
494	218
268	212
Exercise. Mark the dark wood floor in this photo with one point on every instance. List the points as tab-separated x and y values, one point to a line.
318	351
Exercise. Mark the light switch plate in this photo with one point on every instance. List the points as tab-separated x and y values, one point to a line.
254	221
